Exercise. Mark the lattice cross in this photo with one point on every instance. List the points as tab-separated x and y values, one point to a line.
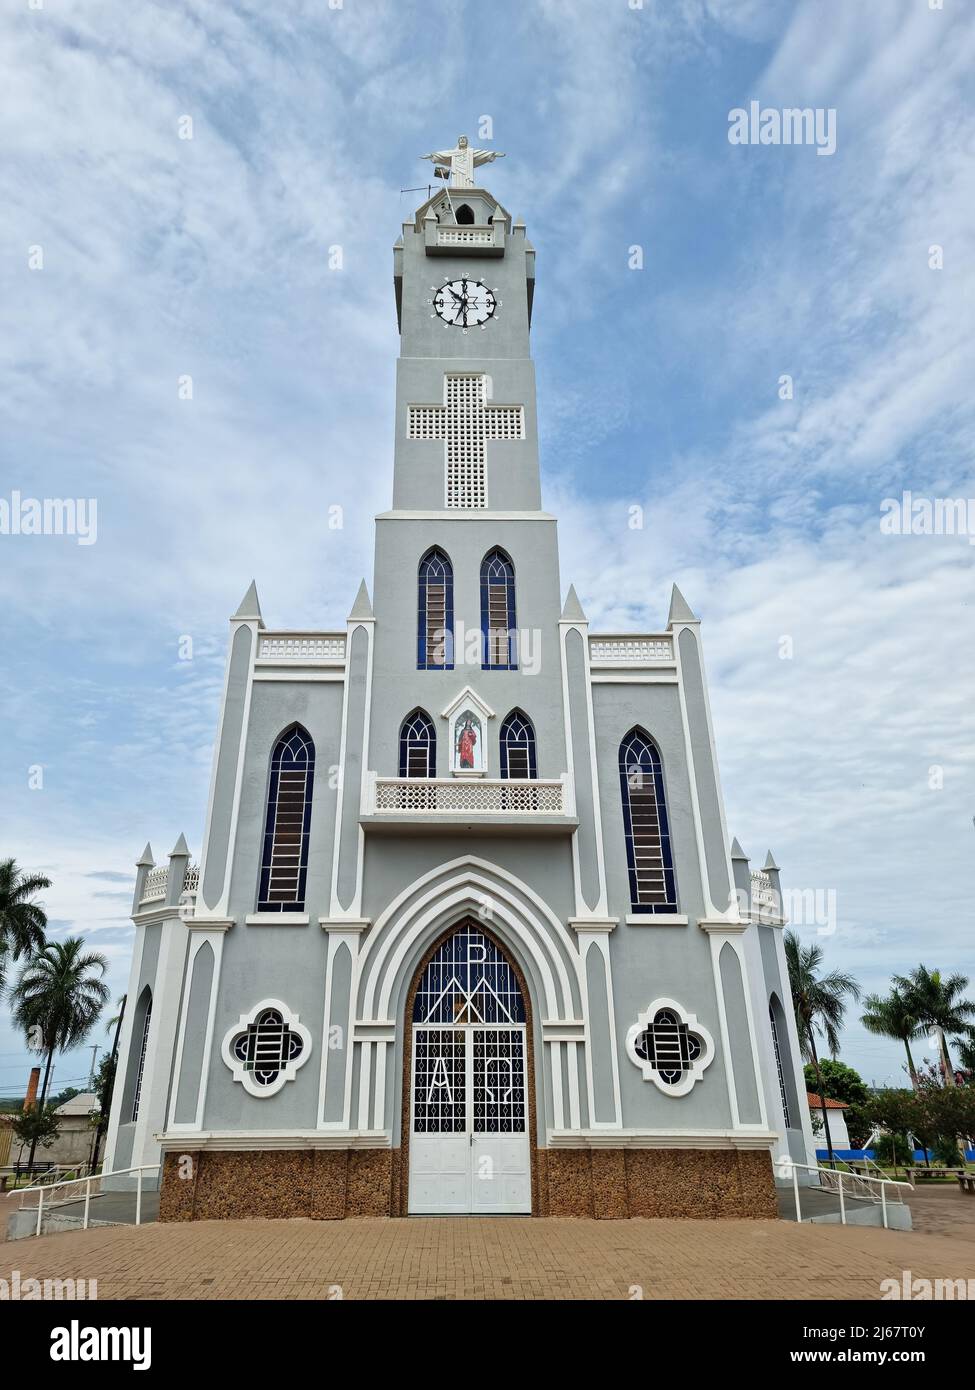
465	422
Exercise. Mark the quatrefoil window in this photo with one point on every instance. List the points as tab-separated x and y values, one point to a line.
671	1048
265	1047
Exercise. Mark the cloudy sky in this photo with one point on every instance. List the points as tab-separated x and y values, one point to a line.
133	258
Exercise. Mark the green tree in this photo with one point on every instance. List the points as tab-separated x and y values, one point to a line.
891	1016
840	1082
820	1005
966	1054
22	920
57	999
37	1125
937	1003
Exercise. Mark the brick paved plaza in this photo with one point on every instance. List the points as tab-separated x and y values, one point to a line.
500	1257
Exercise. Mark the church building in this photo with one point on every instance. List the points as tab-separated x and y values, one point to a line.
467	933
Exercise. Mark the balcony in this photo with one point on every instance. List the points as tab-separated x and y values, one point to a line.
430	805
464	241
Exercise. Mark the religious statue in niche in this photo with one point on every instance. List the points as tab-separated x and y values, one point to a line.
468	743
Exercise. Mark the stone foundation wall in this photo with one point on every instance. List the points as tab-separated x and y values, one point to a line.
331	1184
614	1183
325	1184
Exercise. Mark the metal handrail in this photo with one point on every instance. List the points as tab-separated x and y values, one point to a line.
41	1188
853	1180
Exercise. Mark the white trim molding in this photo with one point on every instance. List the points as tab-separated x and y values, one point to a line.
695	1069
287	1069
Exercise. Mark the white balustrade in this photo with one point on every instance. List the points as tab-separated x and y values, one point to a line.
638	650
425	795
301	646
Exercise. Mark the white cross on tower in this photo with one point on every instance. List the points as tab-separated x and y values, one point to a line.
465	422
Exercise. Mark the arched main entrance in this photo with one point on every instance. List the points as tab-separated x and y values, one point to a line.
469	1140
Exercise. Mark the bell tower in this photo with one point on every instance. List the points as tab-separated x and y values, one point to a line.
466	434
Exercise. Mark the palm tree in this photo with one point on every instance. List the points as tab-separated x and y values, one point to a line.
966	1051
819	1002
938	1006
22	921
892	1017
57	999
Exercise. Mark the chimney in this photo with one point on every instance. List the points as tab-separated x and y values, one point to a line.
31	1097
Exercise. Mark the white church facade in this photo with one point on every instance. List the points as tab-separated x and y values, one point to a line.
467	933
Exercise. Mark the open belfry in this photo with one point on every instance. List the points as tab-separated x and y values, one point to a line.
467	933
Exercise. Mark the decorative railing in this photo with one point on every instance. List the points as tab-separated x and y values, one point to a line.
301	646
763	893
425	795
465	236
639	650
155	884
154	888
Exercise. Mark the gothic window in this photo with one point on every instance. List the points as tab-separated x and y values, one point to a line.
518	746
435	613
778	1065
464	216
468	980
498	612
284	865
417	746
646	826
265	1048
142	1058
670	1047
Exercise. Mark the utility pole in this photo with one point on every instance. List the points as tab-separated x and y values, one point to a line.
95	1049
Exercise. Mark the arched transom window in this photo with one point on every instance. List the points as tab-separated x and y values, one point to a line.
646	826
287	824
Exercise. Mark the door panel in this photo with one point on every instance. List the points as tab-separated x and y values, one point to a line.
469	1144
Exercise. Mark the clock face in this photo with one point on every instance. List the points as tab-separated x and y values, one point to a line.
464	303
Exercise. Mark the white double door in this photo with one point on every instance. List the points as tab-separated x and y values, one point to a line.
469	1135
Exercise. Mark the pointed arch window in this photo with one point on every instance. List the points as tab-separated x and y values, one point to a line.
464	215
287	824
646	826
435	613
417	746
137	1095
778	1063
498	620
517	740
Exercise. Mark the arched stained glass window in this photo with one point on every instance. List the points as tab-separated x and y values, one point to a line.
435	613
517	740
646	827
498	622
287	825
417	746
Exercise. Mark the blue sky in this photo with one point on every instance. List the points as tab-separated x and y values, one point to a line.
165	257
